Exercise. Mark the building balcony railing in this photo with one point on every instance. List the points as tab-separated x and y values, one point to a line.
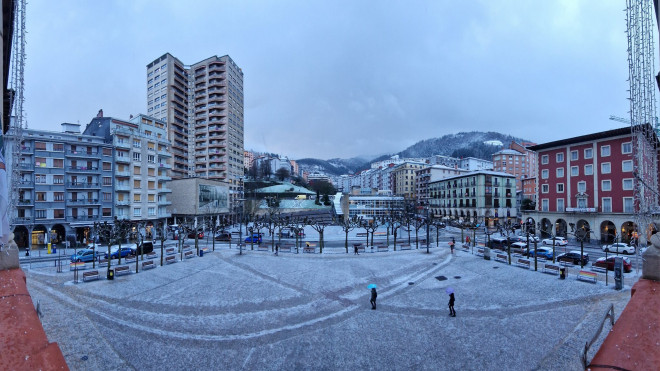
164	202
82	218
23	220
123	145
26	166
164	215
164	165
122	187
123	174
81	169
164	153
79	185
122	203
164	190
123	159
83	201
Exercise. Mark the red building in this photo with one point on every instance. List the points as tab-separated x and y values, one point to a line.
586	183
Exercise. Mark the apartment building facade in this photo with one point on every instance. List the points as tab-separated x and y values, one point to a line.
64	184
141	171
202	105
402	179
517	160
586	183
428	174
484	197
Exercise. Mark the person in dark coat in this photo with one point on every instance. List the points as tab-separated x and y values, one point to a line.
452	312
451	245
374	294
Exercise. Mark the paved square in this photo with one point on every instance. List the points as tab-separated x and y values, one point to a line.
308	311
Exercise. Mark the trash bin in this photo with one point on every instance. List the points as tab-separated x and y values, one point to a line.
54	249
111	274
562	273
201	253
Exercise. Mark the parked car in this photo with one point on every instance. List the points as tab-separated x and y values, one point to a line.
125	251
573	257
532	238
559	241
515	238
222	236
520	247
619	247
200	234
543	252
146	246
497	242
84	255
255	238
609	264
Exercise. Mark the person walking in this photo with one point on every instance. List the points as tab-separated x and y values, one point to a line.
451	245
374	295
452	312
355	250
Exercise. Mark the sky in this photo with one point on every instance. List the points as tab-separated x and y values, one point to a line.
327	79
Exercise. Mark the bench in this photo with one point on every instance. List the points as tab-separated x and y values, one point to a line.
405	247
123	269
309	249
152	255
170	259
525	263
380	233
502	257
188	254
263	248
90	276
286	248
382	248
170	251
480	251
587	276
130	259
148	264
551	268
361	234
103	262
77	266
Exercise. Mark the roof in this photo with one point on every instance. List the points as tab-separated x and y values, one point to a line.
485	172
507	152
285	188
587	138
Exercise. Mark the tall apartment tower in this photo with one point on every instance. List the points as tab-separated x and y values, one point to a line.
202	105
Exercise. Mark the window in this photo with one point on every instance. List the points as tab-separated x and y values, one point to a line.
137	156
575	171
107	197
151	198
107	166
560	172
40	196
40	214
107	211
107	151
628	205
574	155
40	178
606	204
560	187
137	184
588	153
58	179
58	163
137	143
545	173
58	196
151	159
137	170
606	185
605	168
545	188
58	147
626	147
151	171
604	151
560	205
137	197
582	187
544	159
544	205
152	211
628	184
588	169
58	213
560	157
137	211
627	166
582	203
40	162
40	146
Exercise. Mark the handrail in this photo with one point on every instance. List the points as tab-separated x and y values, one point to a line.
609	314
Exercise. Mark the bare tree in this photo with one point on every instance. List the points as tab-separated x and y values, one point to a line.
319	226
348	225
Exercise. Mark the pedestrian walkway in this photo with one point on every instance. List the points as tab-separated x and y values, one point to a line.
259	311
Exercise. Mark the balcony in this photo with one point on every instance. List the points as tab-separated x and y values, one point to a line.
164	165
164	190
164	202
82	218
122	187
25	203
164	153
26	166
122	159
164	178
83	154
26	184
81	169
122	174
122	203
124	145
87	201
82	185
164	215
23	220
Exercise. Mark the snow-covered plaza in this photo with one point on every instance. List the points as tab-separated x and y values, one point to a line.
259	311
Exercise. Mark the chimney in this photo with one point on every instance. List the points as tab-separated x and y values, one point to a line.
100	114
